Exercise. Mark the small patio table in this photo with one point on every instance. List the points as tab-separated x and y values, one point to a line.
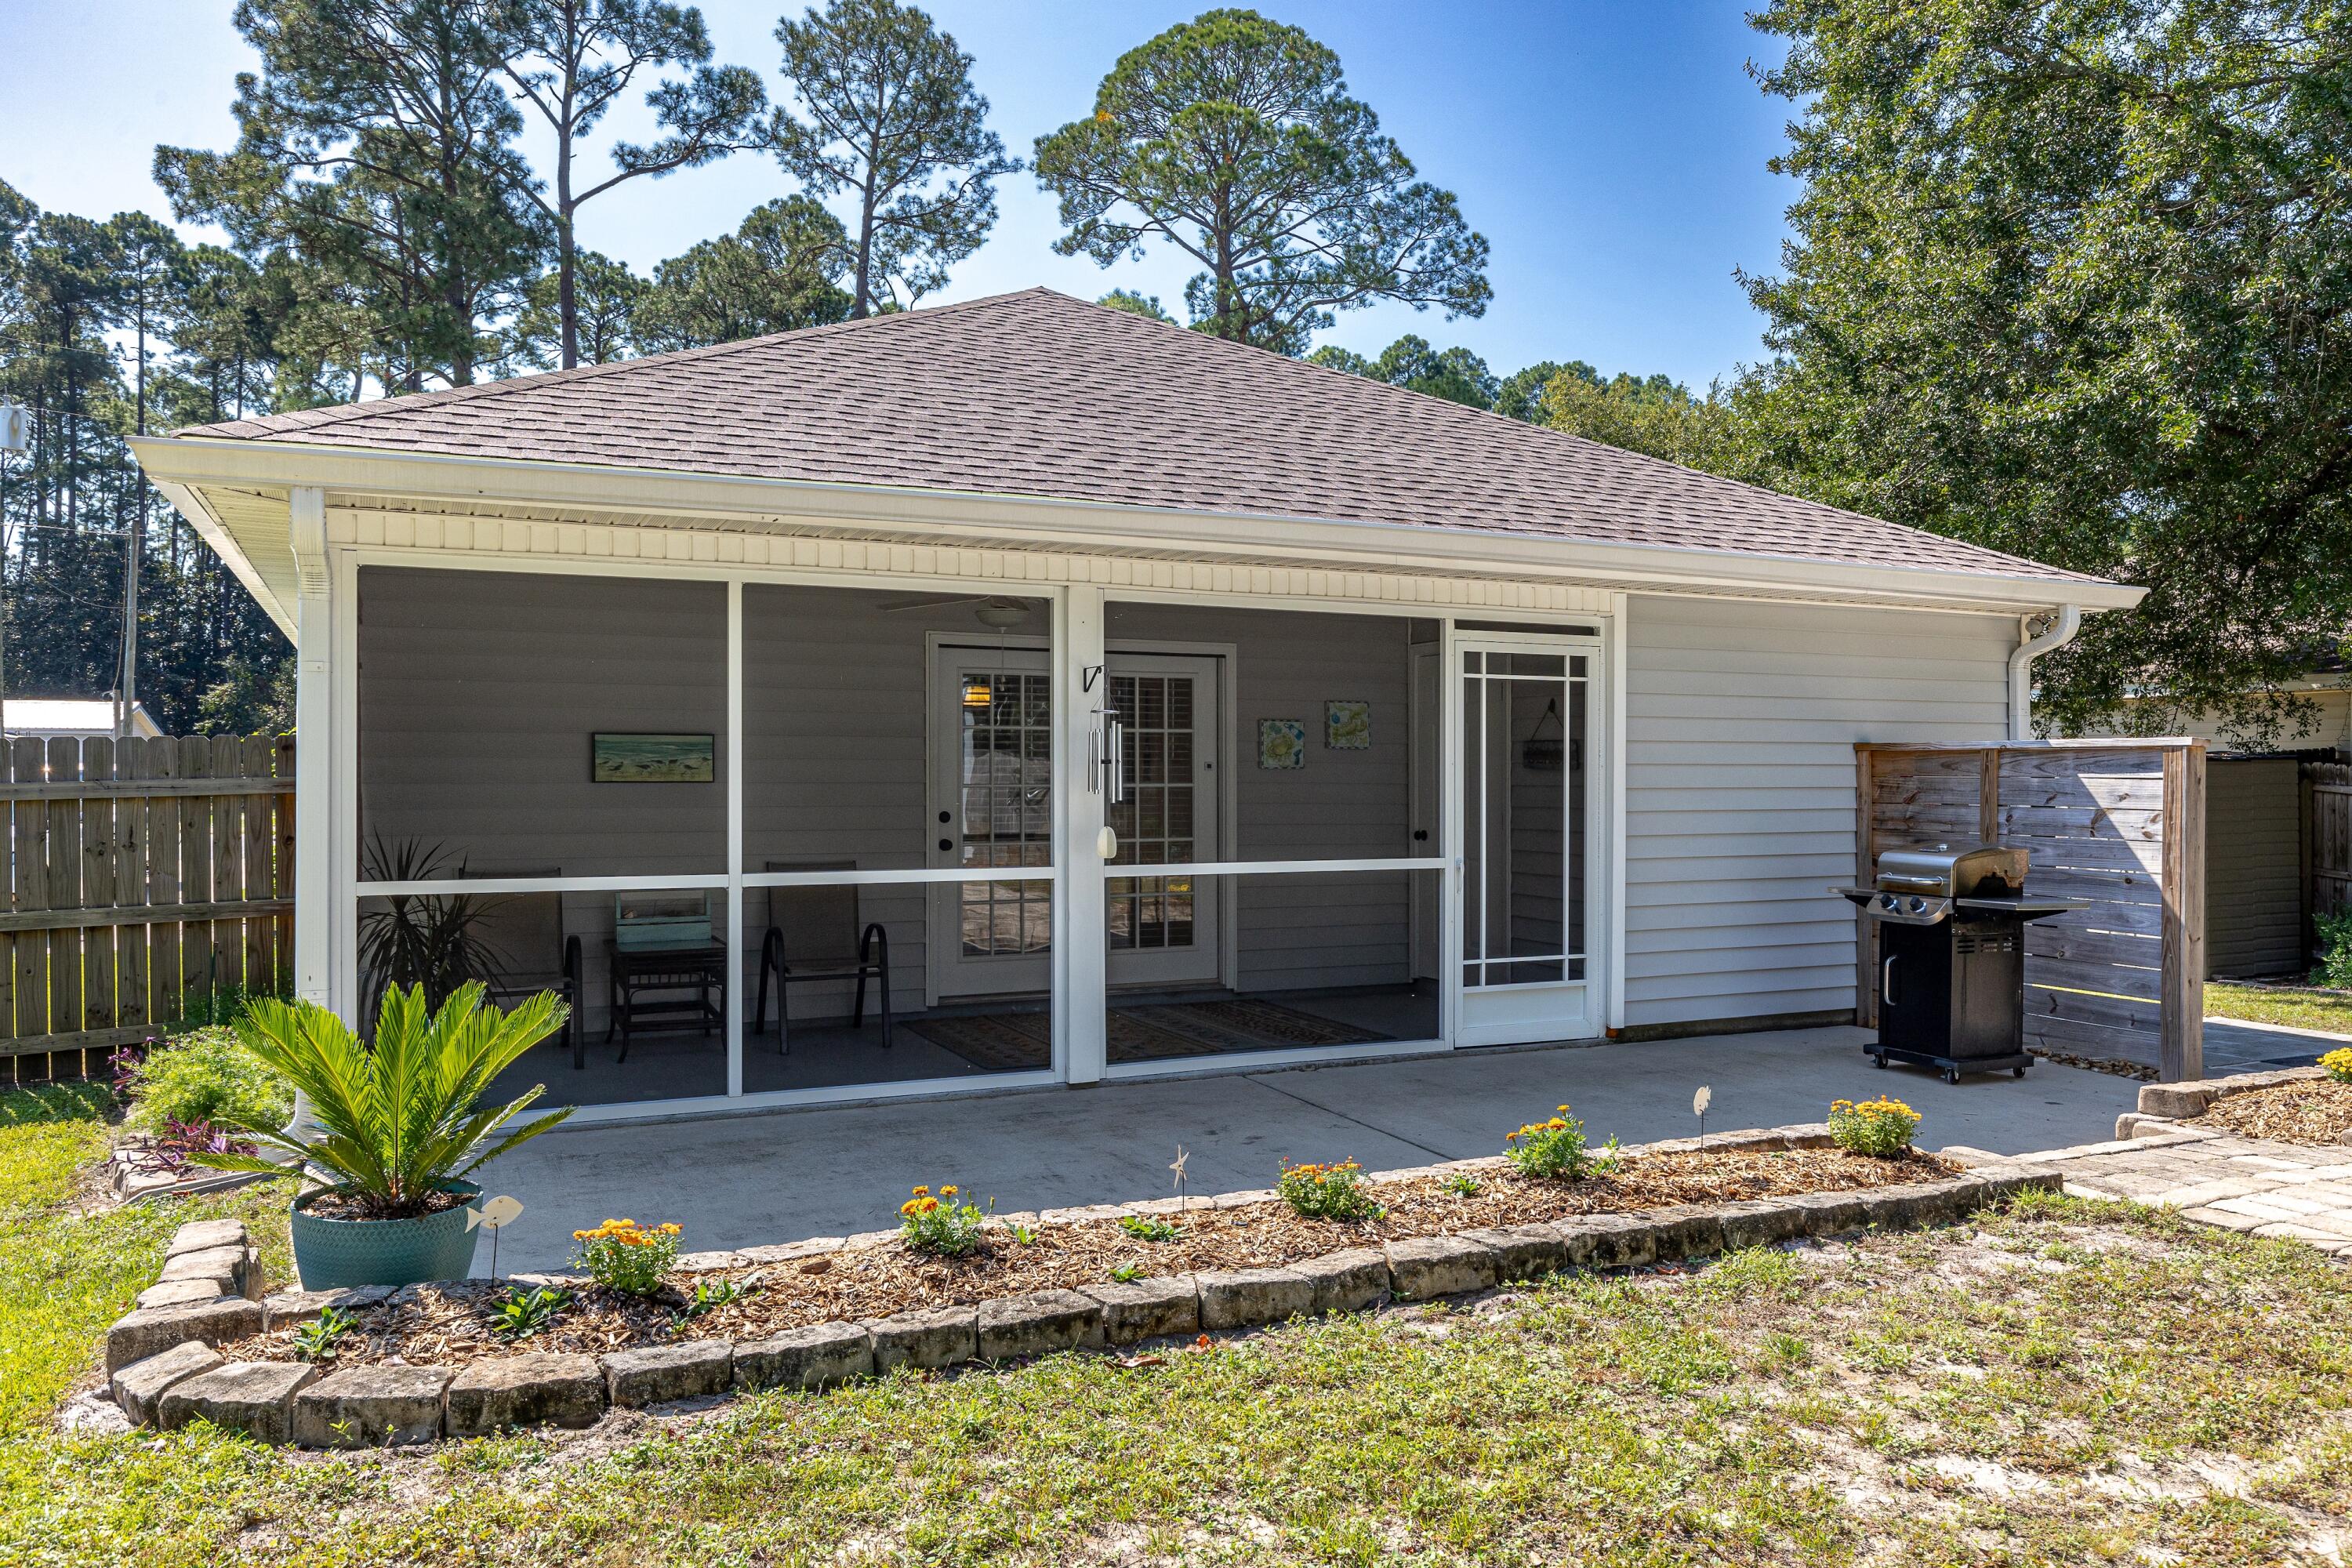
662	985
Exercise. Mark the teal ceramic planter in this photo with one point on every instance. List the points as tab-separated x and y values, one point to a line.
332	1253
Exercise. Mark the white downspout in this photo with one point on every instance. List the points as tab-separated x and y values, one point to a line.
2021	665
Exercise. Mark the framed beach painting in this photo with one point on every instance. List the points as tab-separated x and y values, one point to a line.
1348	726
651	758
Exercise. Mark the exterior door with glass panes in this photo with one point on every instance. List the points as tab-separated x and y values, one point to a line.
992	808
1525	817
1162	931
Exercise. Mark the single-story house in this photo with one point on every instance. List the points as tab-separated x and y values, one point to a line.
71	717
1033	693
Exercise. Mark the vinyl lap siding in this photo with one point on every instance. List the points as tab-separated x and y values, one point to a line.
1740	725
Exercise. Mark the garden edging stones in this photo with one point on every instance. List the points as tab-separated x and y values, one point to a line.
166	1367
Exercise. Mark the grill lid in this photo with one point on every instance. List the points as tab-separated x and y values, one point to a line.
1970	871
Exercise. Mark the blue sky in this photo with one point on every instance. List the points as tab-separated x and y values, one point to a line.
1612	150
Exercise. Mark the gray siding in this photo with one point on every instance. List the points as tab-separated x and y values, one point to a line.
1740	786
2254	866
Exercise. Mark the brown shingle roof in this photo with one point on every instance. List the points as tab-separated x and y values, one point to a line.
1039	394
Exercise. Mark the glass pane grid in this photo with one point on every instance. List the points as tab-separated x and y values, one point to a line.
1006	783
1154	823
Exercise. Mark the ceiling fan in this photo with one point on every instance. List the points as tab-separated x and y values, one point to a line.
995	610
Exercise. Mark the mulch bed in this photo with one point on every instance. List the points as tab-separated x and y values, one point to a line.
2307	1110
447	1324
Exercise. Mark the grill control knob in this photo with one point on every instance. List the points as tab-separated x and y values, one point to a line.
1919	904
1886	900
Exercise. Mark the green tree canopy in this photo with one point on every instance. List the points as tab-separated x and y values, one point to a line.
1135	304
605	298
570	60
894	120
1653	415
1234	139
2074	279
376	145
780	270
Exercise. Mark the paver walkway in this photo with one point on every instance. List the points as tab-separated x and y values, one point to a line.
2217	1179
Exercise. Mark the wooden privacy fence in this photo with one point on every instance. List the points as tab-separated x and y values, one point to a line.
144	876
2121	823
2327	840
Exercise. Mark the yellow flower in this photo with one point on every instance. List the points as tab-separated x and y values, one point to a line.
922	1192
948	1192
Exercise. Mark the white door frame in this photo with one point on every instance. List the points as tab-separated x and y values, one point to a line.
1527	1019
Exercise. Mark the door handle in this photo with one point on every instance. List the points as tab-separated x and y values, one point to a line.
1886	980
1421	836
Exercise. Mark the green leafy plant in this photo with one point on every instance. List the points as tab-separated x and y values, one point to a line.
709	1295
432	940
1881	1127
1025	1235
622	1255
1328	1192
2334	930
936	1222
318	1339
1149	1228
401	1119
204	1076
1127	1273
1555	1149
523	1313
221	1006
1462	1184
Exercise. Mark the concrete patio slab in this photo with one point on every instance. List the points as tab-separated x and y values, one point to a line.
741	1181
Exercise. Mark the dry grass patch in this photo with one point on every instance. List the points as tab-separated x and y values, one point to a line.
2308	1110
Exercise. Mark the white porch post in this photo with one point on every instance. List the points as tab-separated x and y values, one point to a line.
736	941
1078	1021
316	918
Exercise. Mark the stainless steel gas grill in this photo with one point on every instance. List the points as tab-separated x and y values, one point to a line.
1951	956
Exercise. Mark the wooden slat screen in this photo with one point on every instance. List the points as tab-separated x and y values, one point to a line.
2121	823
136	889
2328	840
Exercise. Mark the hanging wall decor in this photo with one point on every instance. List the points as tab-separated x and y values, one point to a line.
1281	743
1546	753
1348	726
650	759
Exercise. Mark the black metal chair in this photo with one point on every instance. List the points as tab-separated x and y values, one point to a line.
818	934
523	936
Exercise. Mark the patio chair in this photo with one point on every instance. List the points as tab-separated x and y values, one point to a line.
528	950
818	934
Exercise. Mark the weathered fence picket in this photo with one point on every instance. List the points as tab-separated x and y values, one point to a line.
143	877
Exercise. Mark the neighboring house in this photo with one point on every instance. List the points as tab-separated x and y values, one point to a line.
72	717
1414	726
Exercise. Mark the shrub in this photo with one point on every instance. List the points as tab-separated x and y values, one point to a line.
204	1076
2335	928
1326	1192
937	1224
1555	1149
1882	1127
622	1255
1149	1228
402	1118
2339	1063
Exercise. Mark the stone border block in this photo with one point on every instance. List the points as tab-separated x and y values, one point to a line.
927	1337
1523	1251
817	1356
371	1407
1759	1222
255	1397
1427	1266
180	1293
654	1374
1610	1240
1039	1323
1150	1308
285	1307
1348	1281
153	1329
538	1389
140	1386
204	1235
1684	1230
1244	1297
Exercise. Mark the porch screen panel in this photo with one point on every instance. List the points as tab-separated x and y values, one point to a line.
1523	779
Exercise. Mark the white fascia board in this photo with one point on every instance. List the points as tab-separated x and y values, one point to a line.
1080	524
189	503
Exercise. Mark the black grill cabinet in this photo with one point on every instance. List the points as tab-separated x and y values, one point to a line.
1952	957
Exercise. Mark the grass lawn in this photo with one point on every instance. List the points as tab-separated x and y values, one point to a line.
2063	1384
2292	1006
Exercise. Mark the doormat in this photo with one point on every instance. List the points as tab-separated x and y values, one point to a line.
1009	1042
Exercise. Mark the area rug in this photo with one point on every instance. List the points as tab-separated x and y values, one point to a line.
1009	1042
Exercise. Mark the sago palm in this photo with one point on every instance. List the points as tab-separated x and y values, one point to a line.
403	1117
